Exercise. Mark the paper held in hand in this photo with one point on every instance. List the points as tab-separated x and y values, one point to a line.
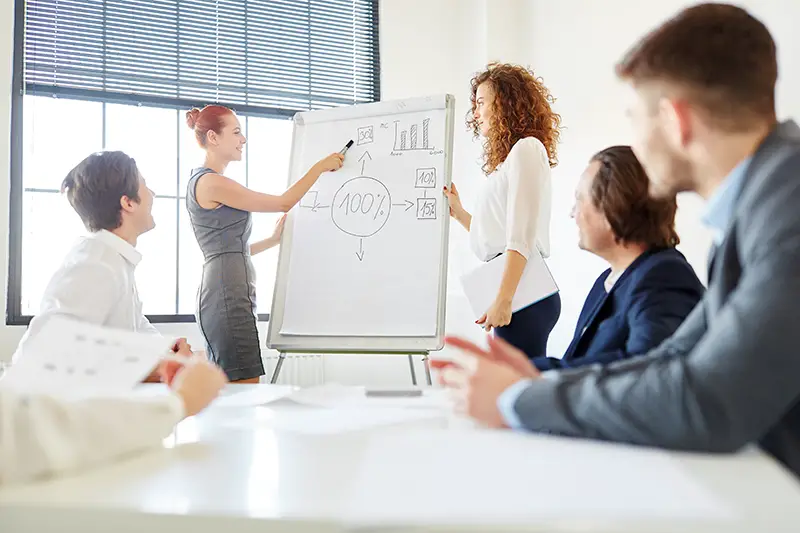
482	284
70	358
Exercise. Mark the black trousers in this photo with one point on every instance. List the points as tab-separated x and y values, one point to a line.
530	327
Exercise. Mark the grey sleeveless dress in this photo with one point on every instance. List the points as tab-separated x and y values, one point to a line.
226	298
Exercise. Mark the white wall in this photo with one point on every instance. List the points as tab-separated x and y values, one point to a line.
434	46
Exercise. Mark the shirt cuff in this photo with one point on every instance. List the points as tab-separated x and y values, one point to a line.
520	248
175	406
507	401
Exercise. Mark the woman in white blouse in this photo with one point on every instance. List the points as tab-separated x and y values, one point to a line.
511	111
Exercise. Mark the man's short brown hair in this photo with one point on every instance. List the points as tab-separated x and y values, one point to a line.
96	185
620	191
720	54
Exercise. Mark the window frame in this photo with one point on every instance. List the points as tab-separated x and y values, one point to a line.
14	315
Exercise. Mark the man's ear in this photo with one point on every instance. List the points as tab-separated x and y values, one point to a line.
675	117
126	204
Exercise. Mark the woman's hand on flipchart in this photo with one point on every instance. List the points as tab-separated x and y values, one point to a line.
457	211
278	231
498	315
454	200
331	163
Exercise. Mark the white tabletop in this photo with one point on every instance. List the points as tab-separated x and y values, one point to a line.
251	469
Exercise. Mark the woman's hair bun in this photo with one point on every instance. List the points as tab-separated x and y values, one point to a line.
192	116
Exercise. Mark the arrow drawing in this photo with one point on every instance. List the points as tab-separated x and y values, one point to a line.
362	161
408	204
360	252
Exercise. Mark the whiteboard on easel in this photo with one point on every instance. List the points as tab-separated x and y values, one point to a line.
363	259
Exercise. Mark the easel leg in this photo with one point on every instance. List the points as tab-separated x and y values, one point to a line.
277	371
425	359
411	367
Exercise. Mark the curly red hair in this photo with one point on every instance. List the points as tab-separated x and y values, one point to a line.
521	109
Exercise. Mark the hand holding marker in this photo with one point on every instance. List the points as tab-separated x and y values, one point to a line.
333	162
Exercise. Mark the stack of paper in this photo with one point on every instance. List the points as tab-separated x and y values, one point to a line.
482	284
70	358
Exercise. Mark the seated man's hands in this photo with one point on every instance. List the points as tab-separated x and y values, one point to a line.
478	377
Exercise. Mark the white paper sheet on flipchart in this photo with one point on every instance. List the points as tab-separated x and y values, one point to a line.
386	284
482	283
487	477
75	359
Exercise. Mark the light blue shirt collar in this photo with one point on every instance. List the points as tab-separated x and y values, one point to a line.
720	207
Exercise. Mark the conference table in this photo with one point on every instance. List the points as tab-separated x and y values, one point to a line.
259	460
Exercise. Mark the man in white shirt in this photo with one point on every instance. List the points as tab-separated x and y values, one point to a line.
96	282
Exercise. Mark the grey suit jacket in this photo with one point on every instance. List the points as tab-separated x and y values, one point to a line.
730	375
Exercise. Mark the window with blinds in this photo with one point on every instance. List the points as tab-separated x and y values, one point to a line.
95	75
285	55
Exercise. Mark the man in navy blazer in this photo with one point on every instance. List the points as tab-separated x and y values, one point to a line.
649	288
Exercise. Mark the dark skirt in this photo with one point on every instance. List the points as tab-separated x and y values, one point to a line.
226	314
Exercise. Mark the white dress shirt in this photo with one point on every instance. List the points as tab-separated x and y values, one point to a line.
513	210
95	284
611	279
41	435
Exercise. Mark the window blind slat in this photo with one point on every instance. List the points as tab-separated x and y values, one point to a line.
282	54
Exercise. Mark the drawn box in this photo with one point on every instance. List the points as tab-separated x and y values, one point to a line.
365	135
426	178
309	200
426	208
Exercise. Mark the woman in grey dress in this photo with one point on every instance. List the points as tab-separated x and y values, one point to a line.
220	211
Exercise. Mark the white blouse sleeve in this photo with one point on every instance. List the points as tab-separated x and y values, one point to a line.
42	435
527	165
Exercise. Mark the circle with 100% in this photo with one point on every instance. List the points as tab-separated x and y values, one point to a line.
361	206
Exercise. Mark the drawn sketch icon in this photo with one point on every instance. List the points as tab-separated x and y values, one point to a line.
426	208
361	206
415	137
309	200
426	178
365	135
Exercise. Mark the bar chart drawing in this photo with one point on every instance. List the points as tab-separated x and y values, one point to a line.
410	138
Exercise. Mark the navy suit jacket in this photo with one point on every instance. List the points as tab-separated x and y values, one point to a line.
644	307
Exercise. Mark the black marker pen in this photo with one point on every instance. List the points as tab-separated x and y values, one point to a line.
346	147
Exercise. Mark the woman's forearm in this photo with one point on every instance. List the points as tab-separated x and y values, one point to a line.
515	265
296	192
262	245
465	219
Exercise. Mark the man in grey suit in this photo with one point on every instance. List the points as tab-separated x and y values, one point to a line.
703	110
